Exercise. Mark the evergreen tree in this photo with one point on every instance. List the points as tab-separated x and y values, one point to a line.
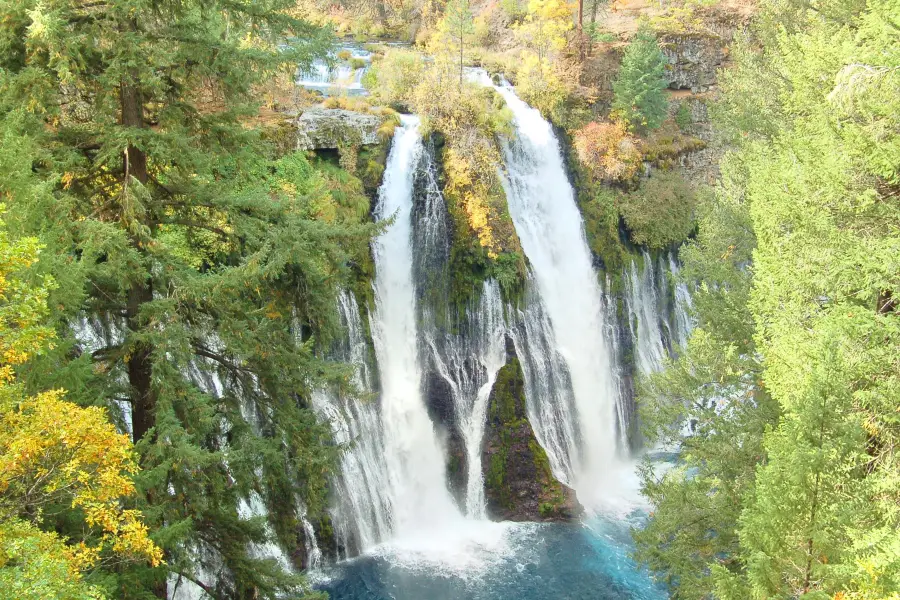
714	388
817	169
638	89
129	148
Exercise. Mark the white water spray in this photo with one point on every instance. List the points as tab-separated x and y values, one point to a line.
469	363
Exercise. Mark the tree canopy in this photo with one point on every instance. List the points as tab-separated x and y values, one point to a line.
808	508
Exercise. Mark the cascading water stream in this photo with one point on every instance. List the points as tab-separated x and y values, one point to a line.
418	492
547	220
684	322
643	303
469	363
361	513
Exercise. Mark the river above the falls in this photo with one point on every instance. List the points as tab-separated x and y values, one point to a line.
538	561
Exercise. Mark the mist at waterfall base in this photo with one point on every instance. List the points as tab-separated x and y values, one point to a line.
410	538
543	562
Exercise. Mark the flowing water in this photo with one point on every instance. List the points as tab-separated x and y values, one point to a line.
336	76
548	222
361	513
399	532
414	461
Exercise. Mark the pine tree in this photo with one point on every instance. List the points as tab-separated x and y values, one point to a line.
130	150
816	167
638	89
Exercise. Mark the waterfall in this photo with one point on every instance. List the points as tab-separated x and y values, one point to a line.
548	388
361	512
645	315
684	322
548	222
417	489
469	363
658	308
328	76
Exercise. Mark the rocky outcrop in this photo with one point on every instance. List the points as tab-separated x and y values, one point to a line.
693	59
335	129
519	485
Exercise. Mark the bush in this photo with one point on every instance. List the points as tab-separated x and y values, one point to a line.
638	90
357	63
607	151
661	211
344	55
683	116
393	79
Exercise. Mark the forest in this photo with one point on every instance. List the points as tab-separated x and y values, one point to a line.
245	340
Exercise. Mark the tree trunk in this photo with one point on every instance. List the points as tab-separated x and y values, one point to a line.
581	28
139	362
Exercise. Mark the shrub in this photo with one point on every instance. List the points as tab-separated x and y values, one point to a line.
661	211
344	55
638	90
357	63
607	151
683	116
395	77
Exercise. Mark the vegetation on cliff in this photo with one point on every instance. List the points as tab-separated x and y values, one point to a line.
519	484
790	481
468	118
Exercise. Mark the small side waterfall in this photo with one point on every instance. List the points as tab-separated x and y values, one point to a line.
644	316
418	492
658	310
548	387
469	363
684	322
547	220
361	512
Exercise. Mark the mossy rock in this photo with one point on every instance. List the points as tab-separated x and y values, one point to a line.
519	483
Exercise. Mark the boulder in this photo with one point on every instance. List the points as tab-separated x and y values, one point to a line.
335	128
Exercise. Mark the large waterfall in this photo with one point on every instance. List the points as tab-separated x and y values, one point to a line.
542	204
401	496
418	492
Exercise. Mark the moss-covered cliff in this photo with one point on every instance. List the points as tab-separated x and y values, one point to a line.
519	485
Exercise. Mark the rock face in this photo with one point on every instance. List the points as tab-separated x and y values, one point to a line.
693	60
336	129
519	485
442	410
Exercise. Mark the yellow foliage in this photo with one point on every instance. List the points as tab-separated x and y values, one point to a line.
607	151
464	184
53	452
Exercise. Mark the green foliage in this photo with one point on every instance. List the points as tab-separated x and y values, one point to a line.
596	34
714	384
35	565
638	90
816	178
168	219
661	211
683	116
